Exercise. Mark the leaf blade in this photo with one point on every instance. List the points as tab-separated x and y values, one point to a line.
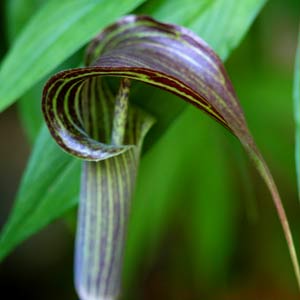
297	113
39	55
33	206
17	15
234	18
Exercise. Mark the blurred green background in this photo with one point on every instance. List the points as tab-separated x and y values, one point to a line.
209	228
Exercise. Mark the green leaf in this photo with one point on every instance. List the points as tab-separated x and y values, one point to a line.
18	12
211	224
154	105
197	173
29	106
30	114
49	188
183	15
233	17
222	24
49	39
297	113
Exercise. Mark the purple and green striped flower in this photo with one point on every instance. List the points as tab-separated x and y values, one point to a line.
95	123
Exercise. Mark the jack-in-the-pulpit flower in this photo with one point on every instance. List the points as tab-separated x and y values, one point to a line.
91	121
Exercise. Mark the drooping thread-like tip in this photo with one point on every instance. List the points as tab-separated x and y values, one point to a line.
266	175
